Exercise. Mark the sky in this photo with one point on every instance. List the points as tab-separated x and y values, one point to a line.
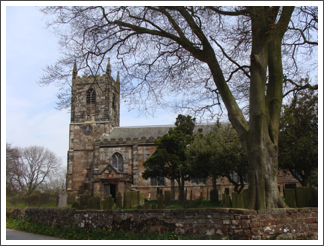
31	117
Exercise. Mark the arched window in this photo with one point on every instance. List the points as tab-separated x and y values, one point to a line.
118	162
91	96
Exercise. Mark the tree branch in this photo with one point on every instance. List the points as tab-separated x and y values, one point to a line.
230	13
231	60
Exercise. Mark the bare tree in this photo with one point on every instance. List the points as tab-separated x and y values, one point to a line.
12	169
55	181
202	56
33	167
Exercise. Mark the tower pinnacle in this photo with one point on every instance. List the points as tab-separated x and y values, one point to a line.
117	79
108	69
75	71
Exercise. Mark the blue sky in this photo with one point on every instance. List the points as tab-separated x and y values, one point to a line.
31	118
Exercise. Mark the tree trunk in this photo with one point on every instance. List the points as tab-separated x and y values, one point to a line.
181	190
262	141
263	186
241	184
214	182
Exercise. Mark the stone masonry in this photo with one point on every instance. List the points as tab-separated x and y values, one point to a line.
241	224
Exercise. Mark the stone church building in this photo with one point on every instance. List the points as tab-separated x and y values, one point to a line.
105	158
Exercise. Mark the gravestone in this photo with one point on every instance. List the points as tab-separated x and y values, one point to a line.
71	198
94	203
119	203
153	205
239	201
191	195
160	202
290	198
167	198
141	199
134	200
301	199
228	202
62	196
127	199
107	204
146	205
76	205
234	199
214	195
84	200
246	199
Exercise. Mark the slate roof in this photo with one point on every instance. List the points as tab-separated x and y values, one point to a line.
146	131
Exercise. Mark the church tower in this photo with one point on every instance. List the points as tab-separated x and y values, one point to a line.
95	110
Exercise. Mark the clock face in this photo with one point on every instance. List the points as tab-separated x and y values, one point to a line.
87	129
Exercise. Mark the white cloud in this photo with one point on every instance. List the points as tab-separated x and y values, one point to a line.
46	128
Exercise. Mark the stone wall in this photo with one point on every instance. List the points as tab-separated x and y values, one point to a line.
237	223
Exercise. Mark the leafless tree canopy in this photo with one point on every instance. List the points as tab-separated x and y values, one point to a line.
195	59
163	52
12	167
29	168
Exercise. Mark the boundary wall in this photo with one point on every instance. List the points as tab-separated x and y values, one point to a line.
241	224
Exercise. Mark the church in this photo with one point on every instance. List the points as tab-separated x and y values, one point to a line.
105	158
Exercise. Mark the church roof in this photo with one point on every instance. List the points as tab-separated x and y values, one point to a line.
147	132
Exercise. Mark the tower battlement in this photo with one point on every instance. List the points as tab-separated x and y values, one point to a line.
95	98
85	79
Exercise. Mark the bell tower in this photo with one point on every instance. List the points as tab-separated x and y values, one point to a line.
95	110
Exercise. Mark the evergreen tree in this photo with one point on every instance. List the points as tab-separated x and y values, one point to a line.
218	154
169	159
298	138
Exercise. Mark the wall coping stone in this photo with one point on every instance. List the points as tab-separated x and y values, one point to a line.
261	224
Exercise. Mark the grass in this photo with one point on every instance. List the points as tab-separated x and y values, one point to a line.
76	233
191	204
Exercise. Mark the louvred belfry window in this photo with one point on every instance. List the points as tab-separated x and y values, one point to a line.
91	96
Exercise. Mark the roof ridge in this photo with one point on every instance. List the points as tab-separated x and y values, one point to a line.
171	125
